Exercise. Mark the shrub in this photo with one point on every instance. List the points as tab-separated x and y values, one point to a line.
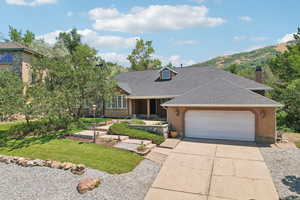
42	127
123	129
142	147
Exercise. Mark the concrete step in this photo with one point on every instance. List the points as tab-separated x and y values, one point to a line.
136	141
114	137
170	143
150	146
97	128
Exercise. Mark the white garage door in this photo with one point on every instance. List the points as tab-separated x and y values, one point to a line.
227	125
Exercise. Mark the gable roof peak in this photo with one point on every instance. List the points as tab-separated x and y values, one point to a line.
169	68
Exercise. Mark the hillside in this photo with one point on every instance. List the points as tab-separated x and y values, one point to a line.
246	59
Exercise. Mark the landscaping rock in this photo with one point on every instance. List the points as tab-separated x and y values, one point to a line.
67	165
48	163
87	184
40	163
56	165
78	169
30	163
22	162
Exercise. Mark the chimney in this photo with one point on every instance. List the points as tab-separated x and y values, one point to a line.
258	74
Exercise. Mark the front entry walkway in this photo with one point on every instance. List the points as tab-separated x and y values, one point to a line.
210	170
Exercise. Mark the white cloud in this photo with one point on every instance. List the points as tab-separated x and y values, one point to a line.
50	37
185	42
30	3
121	59
114	57
105	41
153	18
176	60
286	38
245	18
92	38
257	38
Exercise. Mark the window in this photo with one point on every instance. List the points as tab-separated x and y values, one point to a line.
118	102
166	75
6	58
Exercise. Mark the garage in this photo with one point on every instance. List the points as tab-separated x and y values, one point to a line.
218	124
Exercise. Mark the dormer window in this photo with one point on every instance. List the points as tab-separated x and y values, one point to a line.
166	75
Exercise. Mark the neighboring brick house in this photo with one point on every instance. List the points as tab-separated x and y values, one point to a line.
18	58
199	102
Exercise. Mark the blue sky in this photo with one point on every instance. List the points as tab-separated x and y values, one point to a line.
182	31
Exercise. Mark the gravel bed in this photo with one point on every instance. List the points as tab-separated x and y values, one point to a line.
45	183
284	165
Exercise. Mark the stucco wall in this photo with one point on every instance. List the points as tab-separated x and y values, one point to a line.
265	121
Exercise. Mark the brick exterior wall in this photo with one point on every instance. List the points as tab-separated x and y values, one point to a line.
265	121
21	66
117	113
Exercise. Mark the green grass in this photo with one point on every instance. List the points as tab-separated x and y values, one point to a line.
87	121
7	126
49	147
297	144
123	129
140	122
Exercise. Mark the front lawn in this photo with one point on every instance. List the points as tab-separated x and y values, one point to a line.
49	147
94	120
123	129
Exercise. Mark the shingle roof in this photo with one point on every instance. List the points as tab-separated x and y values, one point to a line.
144	83
13	46
220	92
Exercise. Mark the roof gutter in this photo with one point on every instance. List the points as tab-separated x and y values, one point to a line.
150	97
21	49
222	105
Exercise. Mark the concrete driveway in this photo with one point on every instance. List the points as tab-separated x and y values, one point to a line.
213	170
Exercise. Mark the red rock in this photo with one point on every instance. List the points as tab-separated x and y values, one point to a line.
87	184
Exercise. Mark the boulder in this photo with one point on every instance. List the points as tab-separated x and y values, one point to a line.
14	159
23	162
30	163
78	169
87	184
48	163
56	164
39	163
67	165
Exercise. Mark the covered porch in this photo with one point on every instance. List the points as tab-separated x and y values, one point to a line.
147	108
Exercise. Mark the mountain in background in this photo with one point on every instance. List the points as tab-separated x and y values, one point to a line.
247	59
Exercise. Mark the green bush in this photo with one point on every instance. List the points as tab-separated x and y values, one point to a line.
123	129
140	122
42	127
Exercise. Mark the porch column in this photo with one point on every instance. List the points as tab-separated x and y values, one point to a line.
148	108
130	107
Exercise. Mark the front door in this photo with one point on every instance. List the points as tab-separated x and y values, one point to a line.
153	106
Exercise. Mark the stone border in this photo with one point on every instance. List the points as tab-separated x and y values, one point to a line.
28	162
162	130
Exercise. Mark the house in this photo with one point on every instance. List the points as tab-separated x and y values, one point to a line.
199	102
16	57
